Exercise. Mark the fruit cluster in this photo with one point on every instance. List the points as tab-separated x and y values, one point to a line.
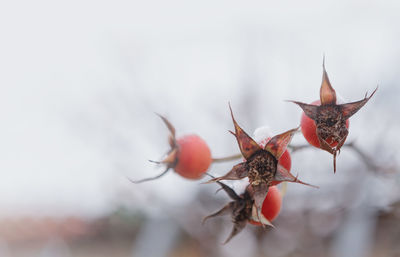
324	124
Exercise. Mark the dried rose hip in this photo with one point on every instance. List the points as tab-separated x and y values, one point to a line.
189	155
325	123
242	208
309	129
261	165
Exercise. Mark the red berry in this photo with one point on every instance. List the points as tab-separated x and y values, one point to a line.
194	157
189	155
271	205
309	129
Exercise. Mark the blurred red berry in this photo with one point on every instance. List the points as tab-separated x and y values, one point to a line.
194	157
189	155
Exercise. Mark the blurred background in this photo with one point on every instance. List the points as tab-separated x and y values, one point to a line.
80	82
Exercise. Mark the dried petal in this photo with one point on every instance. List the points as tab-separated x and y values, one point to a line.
277	145
350	109
247	145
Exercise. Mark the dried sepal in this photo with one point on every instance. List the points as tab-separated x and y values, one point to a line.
151	178
259	217
238	226
283	174
309	109
260	191
171	157
227	209
326	93
247	145
351	108
277	145
229	191
239	171
171	128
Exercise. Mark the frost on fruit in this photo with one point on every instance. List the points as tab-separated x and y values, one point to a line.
261	165
330	118
241	210
171	159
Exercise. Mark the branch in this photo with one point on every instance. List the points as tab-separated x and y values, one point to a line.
228	158
367	159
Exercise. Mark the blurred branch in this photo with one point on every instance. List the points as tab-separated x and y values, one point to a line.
367	159
228	158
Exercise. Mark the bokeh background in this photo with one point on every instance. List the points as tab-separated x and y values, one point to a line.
80	82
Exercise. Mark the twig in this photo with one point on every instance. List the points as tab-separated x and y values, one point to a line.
367	159
228	158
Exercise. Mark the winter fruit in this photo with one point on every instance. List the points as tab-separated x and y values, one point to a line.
261	165
243	210
309	129
194	157
330	118
189	155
